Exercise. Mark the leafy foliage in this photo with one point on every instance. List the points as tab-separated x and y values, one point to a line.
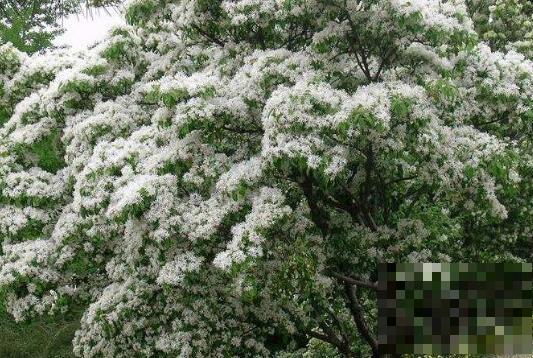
31	25
220	178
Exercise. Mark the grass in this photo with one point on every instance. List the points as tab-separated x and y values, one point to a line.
47	337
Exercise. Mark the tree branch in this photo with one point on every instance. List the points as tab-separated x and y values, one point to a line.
317	215
350	209
337	322
384	61
207	35
330	337
242	130
320	336
357	314
400	180
357	281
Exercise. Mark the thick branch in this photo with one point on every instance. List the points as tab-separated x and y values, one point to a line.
338	323
365	194
330	337
320	336
317	215
349	280
357	314
384	61
350	209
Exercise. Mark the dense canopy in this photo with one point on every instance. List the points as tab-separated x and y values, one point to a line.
217	177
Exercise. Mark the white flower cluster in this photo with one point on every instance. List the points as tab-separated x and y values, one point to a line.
448	16
267	210
173	272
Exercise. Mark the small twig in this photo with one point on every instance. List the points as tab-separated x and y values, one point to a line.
400	180
208	36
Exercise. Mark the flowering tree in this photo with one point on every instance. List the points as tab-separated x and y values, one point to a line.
220	177
31	25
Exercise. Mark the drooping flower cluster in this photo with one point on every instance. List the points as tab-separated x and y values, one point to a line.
203	180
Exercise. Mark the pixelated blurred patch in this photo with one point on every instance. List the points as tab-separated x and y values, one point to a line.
455	308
